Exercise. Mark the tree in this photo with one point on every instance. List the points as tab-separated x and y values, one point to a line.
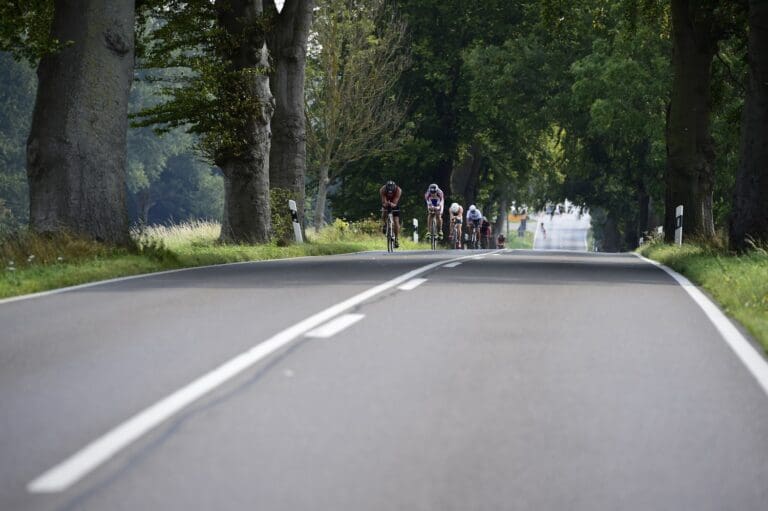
749	221
436	85
697	28
18	85
220	92
77	142
352	107
287	42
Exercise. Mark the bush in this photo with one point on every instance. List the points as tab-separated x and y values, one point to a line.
371	226
282	223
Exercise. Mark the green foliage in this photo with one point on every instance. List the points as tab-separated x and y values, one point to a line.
18	85
184	49
282	222
25	27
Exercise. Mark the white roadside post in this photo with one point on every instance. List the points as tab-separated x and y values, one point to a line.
295	219
679	225
415	230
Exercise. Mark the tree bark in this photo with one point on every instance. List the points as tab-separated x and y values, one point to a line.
247	216
749	218
76	150
287	42
322	193
690	147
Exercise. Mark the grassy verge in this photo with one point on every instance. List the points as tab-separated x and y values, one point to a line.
738	283
32	263
513	241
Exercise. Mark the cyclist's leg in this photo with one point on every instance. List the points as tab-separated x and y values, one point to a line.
439	214
383	221
396	226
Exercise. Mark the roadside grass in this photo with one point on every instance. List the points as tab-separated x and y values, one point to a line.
32	263
739	283
513	241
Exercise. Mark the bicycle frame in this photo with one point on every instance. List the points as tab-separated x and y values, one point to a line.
390	230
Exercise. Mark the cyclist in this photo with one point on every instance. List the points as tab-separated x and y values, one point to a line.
390	198
457	213
435	199
485	233
473	220
500	240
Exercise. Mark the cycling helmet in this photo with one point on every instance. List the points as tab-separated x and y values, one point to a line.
472	207
485	219
454	208
390	186
433	188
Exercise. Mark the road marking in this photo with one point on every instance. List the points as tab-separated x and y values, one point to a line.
101	450
743	349
452	265
335	326
411	284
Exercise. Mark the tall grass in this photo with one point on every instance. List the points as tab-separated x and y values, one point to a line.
32	262
192	233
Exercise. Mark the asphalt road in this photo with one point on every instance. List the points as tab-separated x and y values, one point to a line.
567	231
513	380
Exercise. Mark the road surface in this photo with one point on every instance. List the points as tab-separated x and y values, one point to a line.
566	231
503	380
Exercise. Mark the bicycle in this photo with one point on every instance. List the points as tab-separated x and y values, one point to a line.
474	239
455	234
390	229
433	227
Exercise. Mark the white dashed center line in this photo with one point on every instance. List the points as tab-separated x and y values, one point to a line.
335	326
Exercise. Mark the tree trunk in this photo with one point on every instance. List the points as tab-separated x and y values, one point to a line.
611	236
246	203
464	180
643	203
322	192
247	217
500	226
749	219
443	180
690	147
76	150
287	42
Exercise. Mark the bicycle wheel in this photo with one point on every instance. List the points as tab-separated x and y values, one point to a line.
456	240
390	234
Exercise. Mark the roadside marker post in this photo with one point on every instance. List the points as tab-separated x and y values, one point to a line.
295	219
415	230
679	225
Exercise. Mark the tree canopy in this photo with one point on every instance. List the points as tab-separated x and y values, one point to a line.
528	102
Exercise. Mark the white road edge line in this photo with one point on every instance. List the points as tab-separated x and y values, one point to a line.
101	450
743	349
334	326
411	284
452	265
